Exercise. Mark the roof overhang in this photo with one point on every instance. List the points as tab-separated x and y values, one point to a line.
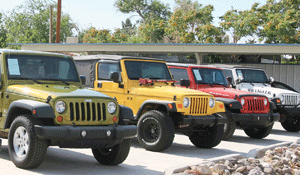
263	49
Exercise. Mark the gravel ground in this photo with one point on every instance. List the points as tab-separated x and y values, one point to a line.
281	160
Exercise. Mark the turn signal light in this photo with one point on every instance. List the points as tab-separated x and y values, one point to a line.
114	119
170	105
221	106
59	118
278	101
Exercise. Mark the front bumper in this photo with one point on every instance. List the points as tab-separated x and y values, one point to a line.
263	120
204	120
0	144
86	136
289	110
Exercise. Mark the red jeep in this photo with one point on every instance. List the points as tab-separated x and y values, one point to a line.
252	112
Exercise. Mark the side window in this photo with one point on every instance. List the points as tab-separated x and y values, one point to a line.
228	73
105	69
179	74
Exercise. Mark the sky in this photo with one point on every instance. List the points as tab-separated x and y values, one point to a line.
102	14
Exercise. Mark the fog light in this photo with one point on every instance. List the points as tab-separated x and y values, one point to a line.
108	133
83	133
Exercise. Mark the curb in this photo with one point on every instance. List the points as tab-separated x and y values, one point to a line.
255	153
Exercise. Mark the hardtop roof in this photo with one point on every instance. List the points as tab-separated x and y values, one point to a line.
30	52
190	65
229	66
110	57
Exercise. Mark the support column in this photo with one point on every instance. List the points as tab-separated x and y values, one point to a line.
199	58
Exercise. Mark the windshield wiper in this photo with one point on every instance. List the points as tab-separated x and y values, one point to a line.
34	80
219	84
59	80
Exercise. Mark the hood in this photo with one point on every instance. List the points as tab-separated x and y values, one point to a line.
166	91
42	91
268	91
224	92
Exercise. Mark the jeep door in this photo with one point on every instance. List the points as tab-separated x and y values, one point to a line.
104	82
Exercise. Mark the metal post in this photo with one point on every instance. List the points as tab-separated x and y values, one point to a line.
51	24
58	21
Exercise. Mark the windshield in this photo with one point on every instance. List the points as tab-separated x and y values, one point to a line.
209	76
143	69
41	68
252	76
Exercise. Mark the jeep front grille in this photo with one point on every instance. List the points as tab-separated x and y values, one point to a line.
290	99
254	105
198	105
87	111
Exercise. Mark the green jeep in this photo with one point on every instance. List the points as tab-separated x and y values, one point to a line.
44	104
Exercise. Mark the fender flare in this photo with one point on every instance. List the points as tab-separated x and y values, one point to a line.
160	102
125	113
230	103
42	110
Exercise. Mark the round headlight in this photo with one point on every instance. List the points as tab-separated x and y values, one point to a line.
186	102
111	107
265	102
242	101
211	102
60	106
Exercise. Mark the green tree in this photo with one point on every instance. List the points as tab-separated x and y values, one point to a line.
2	33
273	22
29	23
191	23
146	9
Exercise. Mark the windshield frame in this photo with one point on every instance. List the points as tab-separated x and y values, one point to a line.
67	59
166	70
252	70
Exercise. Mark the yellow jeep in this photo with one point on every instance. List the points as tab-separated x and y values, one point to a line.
147	87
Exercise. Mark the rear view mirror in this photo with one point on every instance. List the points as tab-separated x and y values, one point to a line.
82	79
229	80
185	83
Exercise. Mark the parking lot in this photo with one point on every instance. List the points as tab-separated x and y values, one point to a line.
140	161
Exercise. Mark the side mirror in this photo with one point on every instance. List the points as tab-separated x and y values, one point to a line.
229	79
82	79
114	76
185	83
271	80
240	79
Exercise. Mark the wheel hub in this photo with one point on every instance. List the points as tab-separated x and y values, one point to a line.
21	141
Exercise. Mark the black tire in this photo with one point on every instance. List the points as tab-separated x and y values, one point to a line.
291	124
114	155
259	133
156	131
28	153
229	127
209	137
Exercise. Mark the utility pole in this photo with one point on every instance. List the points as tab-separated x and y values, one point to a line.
58	21
51	24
